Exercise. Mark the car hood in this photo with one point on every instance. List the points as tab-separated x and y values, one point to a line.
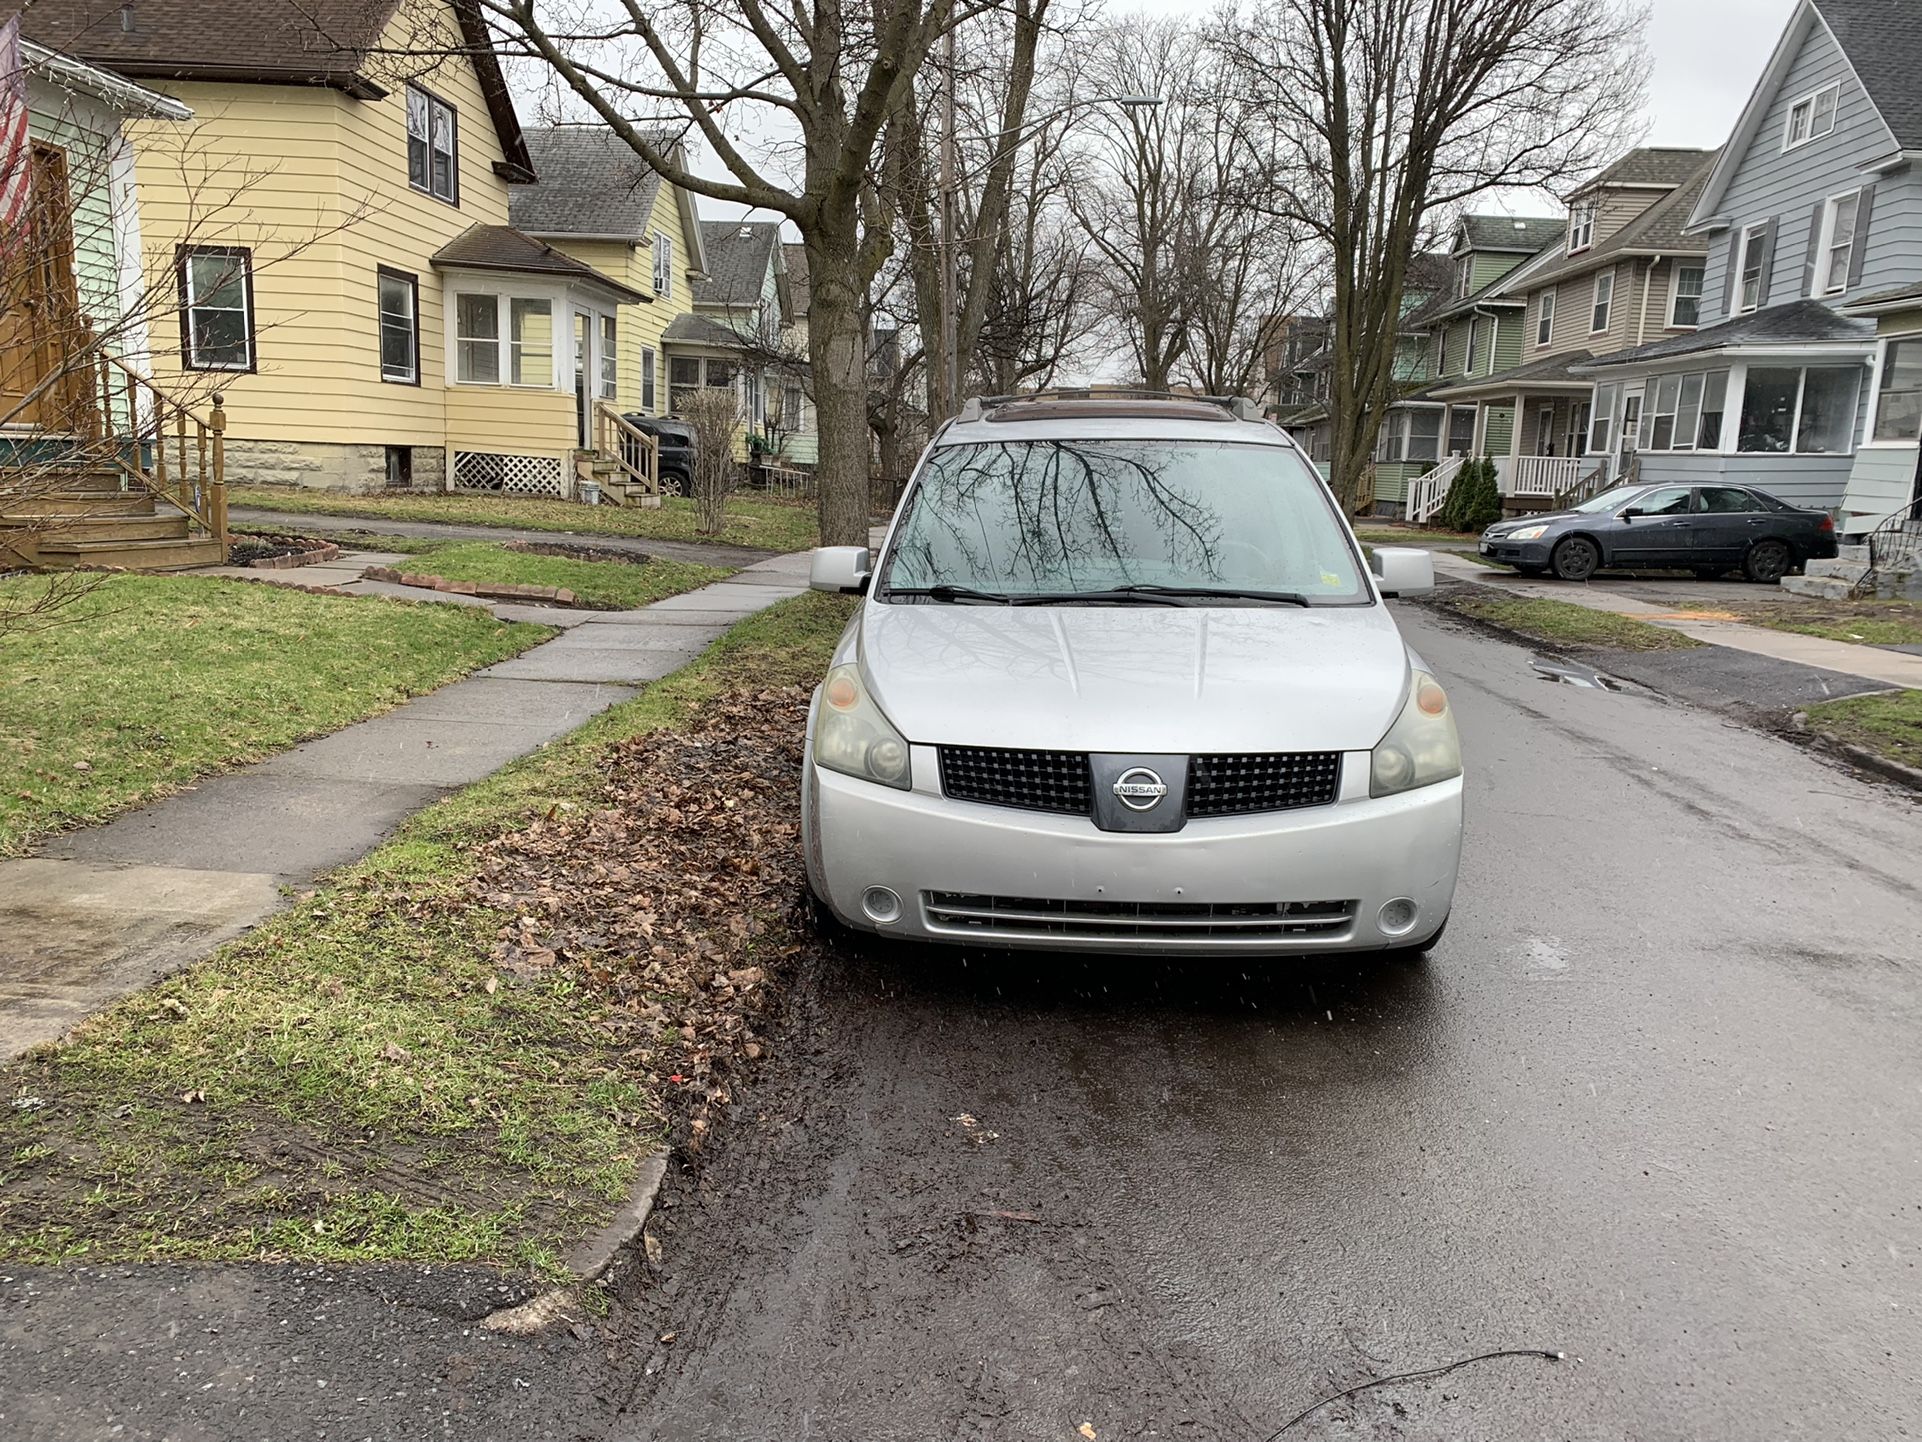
1537	518
1167	679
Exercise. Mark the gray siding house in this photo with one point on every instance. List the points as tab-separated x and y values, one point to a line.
1814	205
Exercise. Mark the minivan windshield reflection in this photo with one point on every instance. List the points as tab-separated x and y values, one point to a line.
1153	522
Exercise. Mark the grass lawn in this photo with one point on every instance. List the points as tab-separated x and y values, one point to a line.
1563	623
1890	724
1413	536
769	525
615	585
151	681
359	1079
1865	622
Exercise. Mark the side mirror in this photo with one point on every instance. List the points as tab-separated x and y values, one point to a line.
1403	570
1627	513
842	569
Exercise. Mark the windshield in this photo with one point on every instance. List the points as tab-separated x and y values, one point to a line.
1070	518
1609	500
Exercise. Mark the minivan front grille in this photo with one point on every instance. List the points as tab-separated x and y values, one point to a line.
1237	785
967	913
1031	780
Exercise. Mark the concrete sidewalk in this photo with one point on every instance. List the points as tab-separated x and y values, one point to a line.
1887	668
102	912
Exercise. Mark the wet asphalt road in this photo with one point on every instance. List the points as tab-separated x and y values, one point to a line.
1656	1102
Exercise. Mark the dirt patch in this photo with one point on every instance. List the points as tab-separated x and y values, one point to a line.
1866	622
577	553
271	551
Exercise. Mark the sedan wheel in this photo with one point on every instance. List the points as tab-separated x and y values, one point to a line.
1575	559
1767	562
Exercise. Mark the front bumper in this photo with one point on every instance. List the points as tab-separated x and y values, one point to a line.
1516	553
1307	881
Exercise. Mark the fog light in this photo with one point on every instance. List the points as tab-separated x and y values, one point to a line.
881	905
1398	916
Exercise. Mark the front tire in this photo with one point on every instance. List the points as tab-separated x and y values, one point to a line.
1767	562
1575	559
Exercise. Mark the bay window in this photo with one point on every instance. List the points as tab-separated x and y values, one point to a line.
1898	403
1714	403
1806	411
477	340
648	379
1676	410
531	343
1424	435
483	355
683	379
610	359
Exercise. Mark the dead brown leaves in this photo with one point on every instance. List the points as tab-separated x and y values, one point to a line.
668	894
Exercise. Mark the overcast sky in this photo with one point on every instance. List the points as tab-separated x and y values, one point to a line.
1707	56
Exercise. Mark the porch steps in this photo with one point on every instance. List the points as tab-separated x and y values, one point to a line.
1838	579
97	526
177	553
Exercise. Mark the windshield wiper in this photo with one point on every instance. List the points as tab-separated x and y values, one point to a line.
945	592
1225	593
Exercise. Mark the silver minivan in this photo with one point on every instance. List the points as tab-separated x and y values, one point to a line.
1121	680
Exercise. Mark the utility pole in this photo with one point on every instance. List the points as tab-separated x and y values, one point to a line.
950	399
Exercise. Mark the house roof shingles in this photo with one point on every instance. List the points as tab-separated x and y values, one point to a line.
1554	370
1651	165
1800	322
1510	232
738	255
1883	41
274	42
1902	295
501	247
591	183
1659	230
687	328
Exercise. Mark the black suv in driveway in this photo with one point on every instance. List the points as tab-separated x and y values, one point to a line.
1704	529
676	440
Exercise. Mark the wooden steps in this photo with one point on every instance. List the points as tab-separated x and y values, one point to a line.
64	553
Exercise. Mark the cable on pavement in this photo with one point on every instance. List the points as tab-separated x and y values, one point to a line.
1426	1374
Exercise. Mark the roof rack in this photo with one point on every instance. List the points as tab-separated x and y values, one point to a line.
977	408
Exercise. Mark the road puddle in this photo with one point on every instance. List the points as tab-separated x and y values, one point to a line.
1562	673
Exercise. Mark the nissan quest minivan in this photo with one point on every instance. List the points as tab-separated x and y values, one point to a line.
1120	680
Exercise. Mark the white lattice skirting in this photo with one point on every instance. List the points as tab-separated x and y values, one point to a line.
509	475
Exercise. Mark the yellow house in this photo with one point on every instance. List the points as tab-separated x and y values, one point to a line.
334	232
596	201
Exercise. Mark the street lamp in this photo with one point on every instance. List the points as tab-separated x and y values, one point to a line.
949	327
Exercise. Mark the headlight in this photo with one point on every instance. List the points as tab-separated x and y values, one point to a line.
1527	533
853	737
1421	748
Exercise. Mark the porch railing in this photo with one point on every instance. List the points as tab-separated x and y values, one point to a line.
1896	542
1592	484
1537	475
160	445
1428	490
636	452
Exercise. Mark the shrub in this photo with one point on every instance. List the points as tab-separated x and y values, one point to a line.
1482	502
713	414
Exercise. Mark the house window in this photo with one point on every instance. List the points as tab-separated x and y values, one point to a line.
433	163
477	340
1473	326
1461	430
648	382
1604	302
1545	431
1388	446
399	327
1811	117
1749	267
1581	227
663	263
1686	308
400	467
1602	422
1464	276
1424	435
1838	243
1545	319
216	308
1808	412
1708	436
1898	403
1675	411
531	343
610	359
683	379
791	403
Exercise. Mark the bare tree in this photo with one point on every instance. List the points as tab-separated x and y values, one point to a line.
821	78
715	415
1137	174
1370	114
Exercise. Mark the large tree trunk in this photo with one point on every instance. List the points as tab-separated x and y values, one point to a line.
837	348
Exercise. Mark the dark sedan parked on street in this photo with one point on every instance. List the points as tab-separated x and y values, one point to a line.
1709	530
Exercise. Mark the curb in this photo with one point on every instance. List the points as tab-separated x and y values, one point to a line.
591	1257
1889	770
